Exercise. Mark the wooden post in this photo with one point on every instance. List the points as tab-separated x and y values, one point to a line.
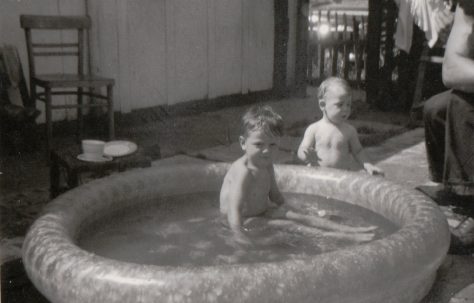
301	47
372	62
335	46
280	47
322	50
346	44
356	48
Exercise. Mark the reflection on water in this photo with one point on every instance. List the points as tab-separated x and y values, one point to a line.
186	230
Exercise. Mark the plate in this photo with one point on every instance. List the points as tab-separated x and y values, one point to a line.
84	157
119	148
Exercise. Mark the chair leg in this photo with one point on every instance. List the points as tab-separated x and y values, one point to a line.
49	121
80	118
110	111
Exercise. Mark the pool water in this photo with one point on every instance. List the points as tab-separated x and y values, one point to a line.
186	230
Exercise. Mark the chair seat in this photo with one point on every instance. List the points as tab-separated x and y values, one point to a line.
71	80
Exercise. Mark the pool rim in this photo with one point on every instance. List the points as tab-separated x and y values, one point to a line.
52	227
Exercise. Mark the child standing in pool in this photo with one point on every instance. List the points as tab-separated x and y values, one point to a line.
331	141
249	188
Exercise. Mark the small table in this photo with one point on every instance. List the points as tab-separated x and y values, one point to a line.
65	159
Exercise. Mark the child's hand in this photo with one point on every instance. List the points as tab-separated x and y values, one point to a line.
373	170
312	158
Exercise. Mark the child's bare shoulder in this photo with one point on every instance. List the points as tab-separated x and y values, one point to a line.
313	127
238	170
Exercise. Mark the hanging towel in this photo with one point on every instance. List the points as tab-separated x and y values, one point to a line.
424	13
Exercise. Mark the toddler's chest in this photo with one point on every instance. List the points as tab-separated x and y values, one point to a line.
260	183
333	139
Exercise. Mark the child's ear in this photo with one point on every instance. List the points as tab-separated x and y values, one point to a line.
322	104
242	142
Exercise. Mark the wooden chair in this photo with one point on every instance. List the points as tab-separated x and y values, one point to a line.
62	84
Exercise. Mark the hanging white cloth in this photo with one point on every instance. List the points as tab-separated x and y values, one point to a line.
423	13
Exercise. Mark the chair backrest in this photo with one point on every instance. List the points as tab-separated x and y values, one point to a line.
40	22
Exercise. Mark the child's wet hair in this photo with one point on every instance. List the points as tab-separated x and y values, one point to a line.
331	83
261	117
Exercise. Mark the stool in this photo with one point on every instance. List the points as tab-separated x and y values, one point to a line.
65	159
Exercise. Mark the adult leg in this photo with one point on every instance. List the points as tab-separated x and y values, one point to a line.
434	116
459	148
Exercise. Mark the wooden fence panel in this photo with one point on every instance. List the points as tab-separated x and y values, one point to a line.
337	47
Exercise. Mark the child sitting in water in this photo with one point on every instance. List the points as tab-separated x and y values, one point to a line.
249	186
331	141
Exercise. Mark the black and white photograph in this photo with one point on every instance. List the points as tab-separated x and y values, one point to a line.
242	151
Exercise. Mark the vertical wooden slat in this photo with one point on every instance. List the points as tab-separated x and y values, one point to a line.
335	48
389	61
322	61
346	49
80	58
363	47
280	46
88	58
356	46
123	100
372	61
302	47
245	47
211	48
170	52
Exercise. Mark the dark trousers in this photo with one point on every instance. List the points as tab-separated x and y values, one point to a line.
449	130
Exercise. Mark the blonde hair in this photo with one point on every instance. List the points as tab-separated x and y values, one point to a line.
331	83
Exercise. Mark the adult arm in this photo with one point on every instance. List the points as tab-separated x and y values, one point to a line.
458	67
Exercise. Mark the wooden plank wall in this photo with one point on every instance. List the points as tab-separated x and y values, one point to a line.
164	52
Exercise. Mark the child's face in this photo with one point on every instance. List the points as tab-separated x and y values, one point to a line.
259	147
336	105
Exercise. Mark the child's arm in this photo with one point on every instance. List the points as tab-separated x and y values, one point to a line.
234	205
306	151
360	155
235	202
275	194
